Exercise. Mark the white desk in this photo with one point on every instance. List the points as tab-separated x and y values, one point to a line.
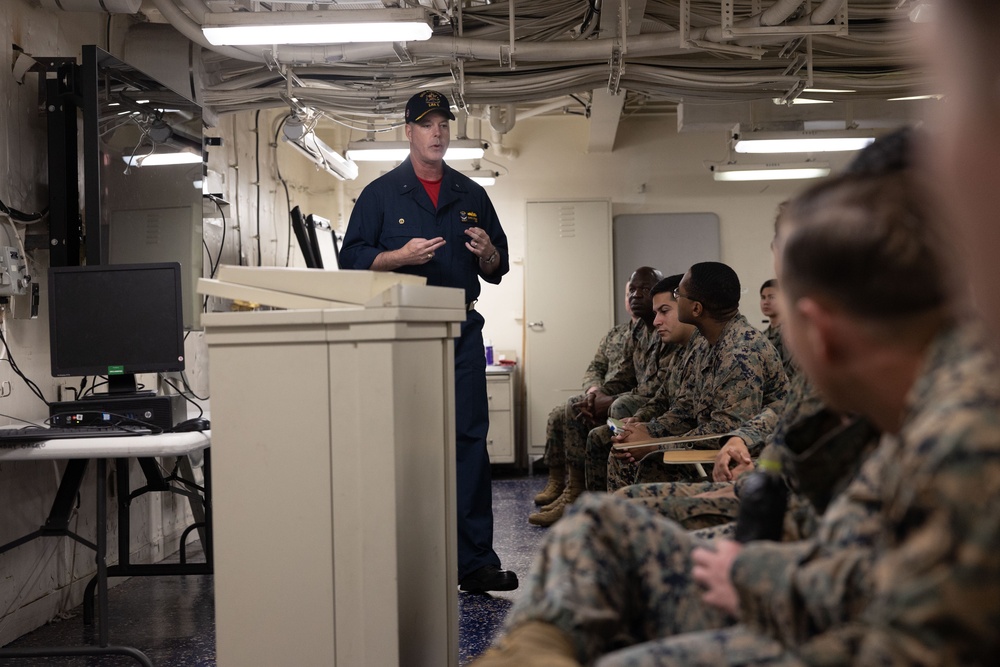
163	444
79	452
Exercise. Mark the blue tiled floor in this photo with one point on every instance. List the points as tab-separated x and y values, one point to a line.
172	619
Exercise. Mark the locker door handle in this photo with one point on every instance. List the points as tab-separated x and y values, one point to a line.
537	325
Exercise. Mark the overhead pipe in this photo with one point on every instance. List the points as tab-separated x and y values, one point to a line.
192	30
657	44
197	8
502	118
825	12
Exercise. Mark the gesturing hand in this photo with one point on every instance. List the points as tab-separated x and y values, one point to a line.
419	251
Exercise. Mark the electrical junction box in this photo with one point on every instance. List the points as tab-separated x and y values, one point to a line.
14	278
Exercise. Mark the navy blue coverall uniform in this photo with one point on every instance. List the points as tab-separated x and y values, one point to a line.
392	210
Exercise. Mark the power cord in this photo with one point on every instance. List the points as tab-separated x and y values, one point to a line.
13	365
201	410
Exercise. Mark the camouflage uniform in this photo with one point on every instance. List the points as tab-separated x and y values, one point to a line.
728	383
594	456
613	353
678	501
904	568
773	334
637	381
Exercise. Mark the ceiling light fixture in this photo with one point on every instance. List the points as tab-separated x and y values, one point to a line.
912	98
769	172
316	27
801	142
397	151
484	177
317	150
801	100
162	159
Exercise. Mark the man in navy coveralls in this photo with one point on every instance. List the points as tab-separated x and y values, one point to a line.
425	218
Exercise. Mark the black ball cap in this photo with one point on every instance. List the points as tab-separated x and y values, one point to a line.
425	102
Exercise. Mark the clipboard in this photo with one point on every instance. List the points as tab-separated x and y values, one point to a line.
674	443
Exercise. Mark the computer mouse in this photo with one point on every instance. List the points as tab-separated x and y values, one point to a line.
196	424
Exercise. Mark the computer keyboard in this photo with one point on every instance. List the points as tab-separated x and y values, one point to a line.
37	433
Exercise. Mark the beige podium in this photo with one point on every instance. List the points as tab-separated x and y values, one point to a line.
333	445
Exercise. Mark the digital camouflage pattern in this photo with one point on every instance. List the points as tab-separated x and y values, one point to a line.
679	502
671	377
593	455
730	382
613	353
773	334
725	385
904	568
638	380
808	425
639	377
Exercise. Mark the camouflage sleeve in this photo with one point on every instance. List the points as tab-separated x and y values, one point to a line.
796	590
656	405
660	401
757	431
737	398
917	584
801	401
625	378
937	592
598	368
789	590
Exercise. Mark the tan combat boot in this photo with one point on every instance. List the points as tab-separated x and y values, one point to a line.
554	487
549	514
532	644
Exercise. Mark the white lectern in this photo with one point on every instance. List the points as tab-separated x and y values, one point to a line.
333	445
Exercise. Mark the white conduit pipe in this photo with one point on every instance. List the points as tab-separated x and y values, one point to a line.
496	145
823	14
777	13
457	47
656	44
502	118
197	8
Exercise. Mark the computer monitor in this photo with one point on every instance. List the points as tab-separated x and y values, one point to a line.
116	320
324	242
302	236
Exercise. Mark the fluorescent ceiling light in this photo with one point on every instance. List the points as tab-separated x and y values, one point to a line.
397	151
826	90
317	150
335	26
803	100
484	177
801	142
769	172
161	159
914	97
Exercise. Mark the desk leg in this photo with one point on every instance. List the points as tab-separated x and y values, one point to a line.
102	551
195	501
103	648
